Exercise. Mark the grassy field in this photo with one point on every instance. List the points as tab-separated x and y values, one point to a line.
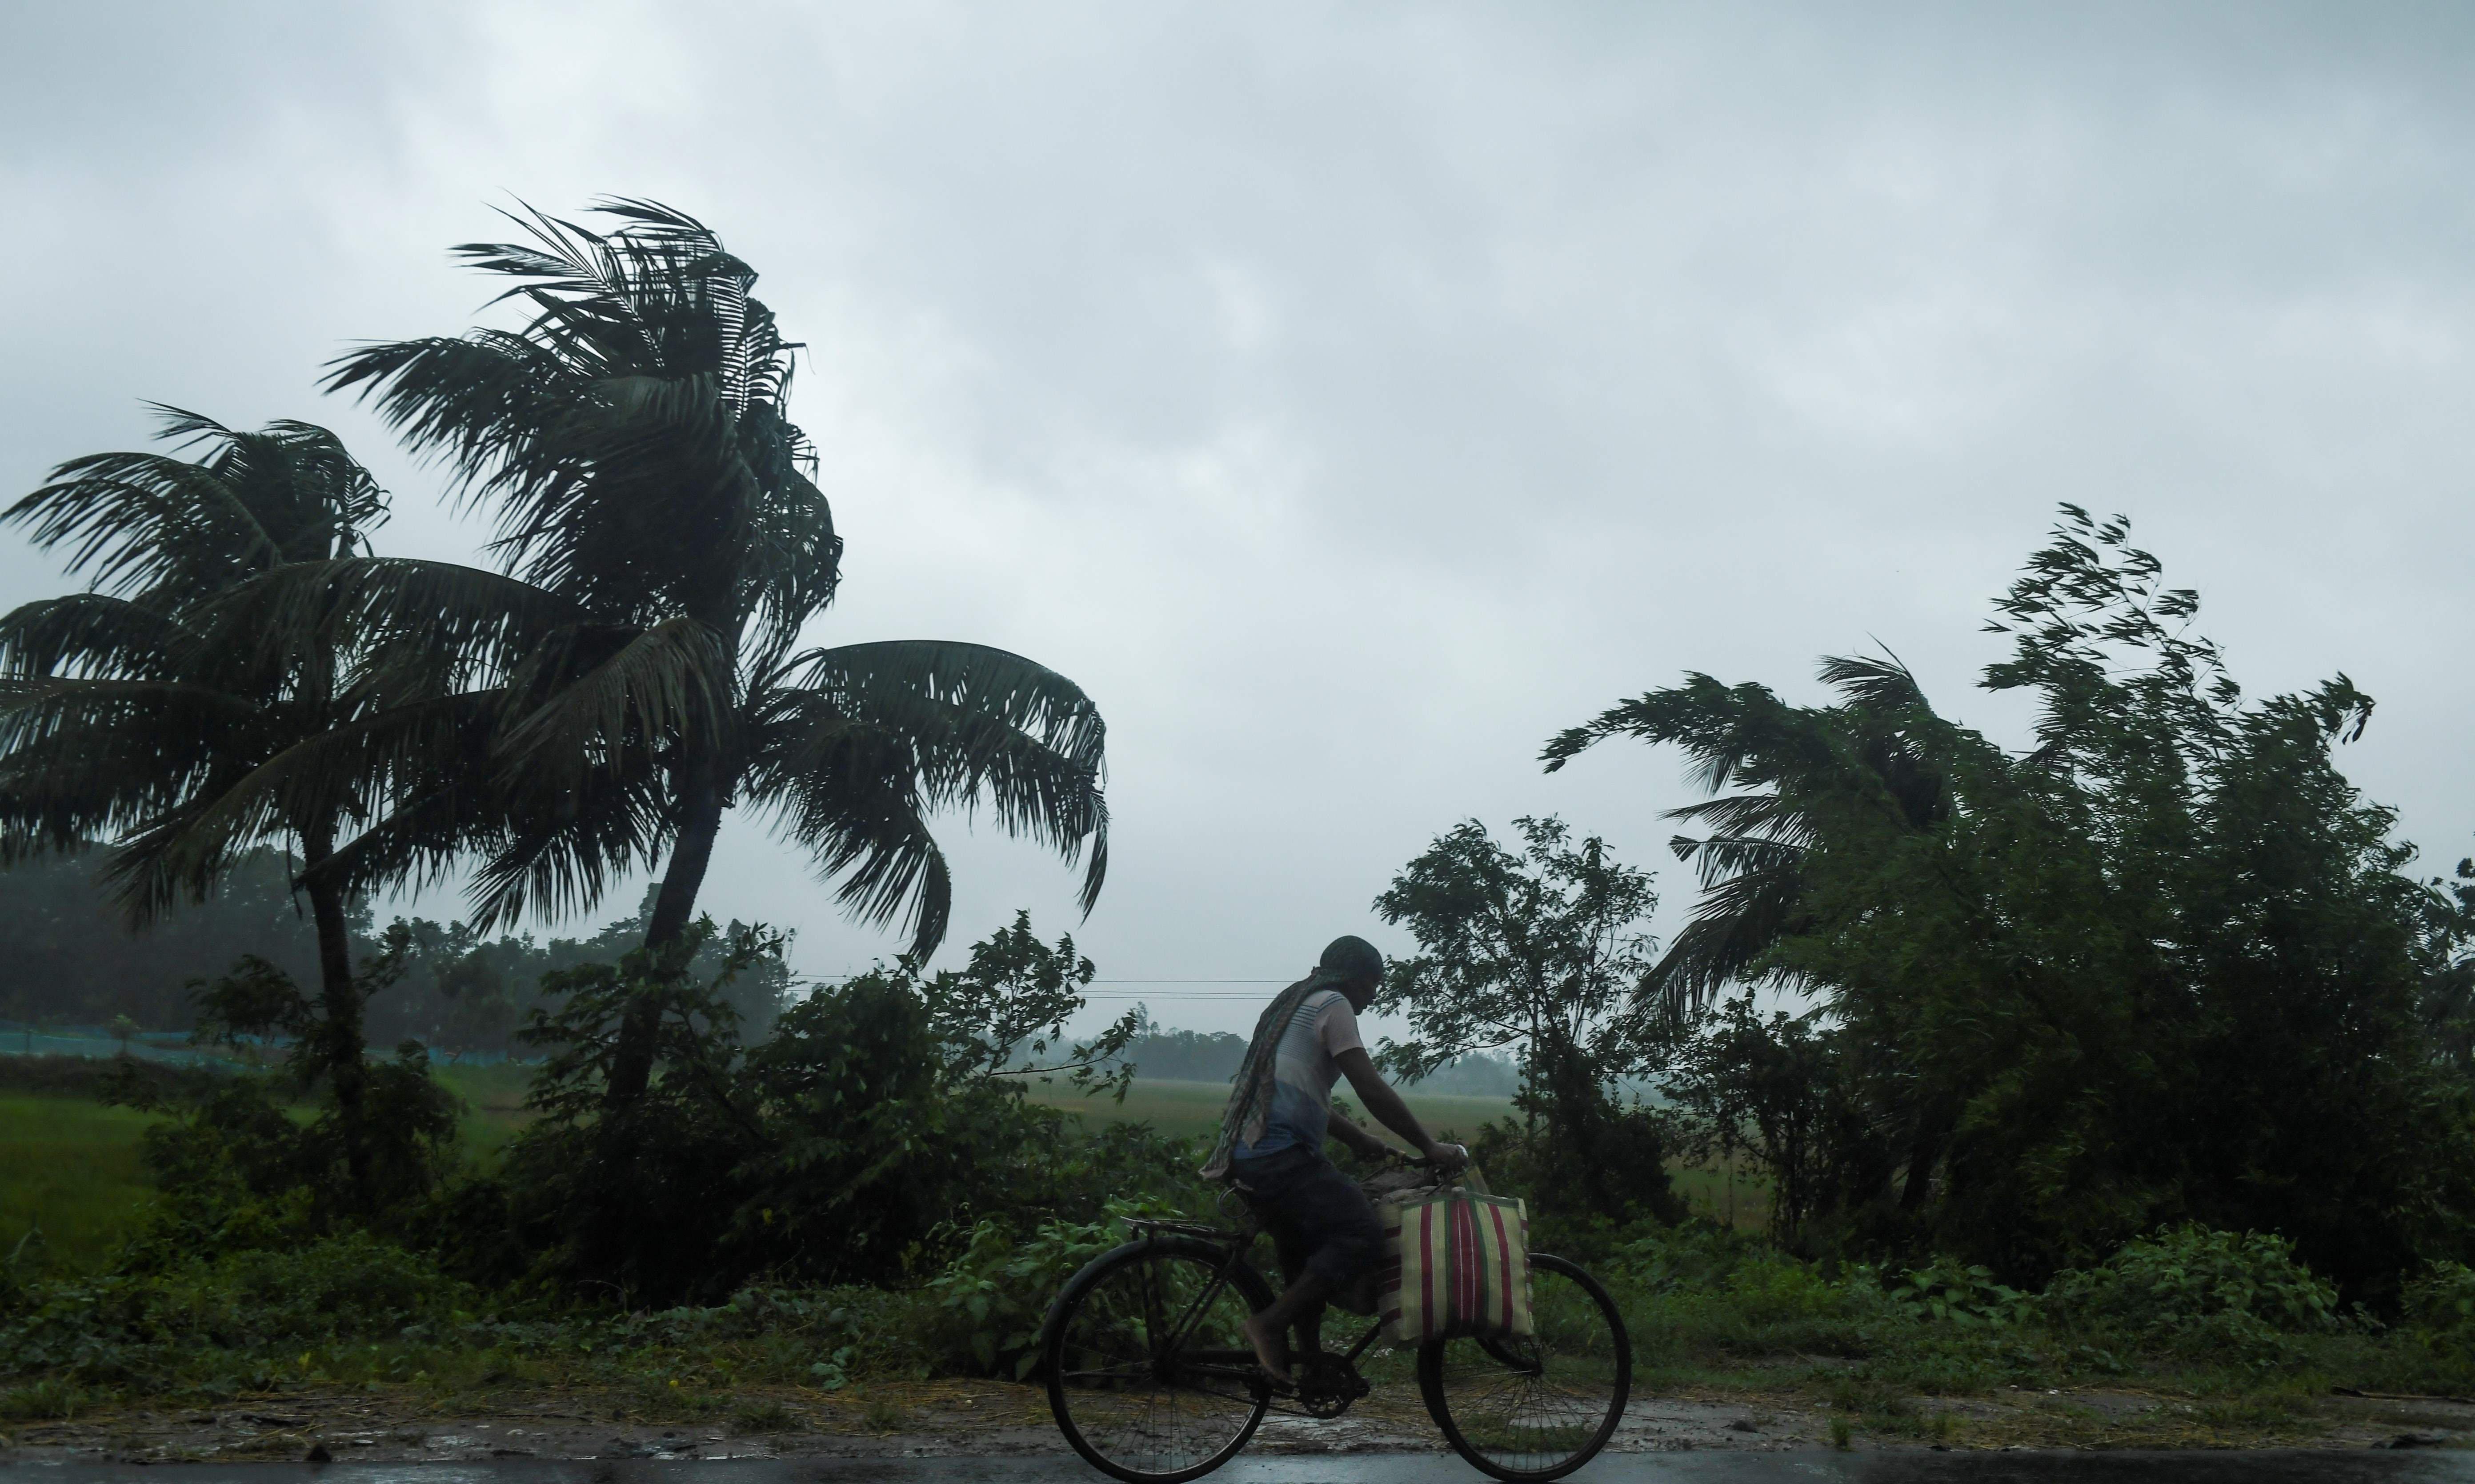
493	1102
68	1166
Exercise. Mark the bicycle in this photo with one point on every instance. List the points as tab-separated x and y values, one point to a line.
1153	1382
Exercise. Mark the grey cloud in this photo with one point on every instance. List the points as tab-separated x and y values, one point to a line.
1350	398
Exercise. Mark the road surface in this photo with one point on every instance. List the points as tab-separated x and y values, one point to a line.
2277	1465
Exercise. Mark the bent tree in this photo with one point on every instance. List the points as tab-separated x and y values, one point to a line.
141	712
2166	963
663	546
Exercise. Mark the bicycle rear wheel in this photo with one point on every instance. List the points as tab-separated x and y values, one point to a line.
1540	1406
1148	1372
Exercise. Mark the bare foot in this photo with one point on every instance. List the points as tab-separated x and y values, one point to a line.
1271	1344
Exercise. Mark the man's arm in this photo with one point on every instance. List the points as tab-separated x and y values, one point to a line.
1357	1140
1386	1106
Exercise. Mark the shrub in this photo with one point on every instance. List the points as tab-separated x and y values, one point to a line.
2441	1299
1696	1254
1697	1290
349	1287
1966	1295
2199	1290
854	1145
994	1295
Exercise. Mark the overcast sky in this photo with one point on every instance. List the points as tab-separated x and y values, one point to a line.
1351	396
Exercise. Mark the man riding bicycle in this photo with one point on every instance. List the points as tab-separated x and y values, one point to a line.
1272	1135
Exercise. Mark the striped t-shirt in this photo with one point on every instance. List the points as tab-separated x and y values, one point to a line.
1303	1068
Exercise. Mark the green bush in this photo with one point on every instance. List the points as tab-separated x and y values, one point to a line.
2202	1292
1949	1292
1690	1255
2441	1299
851	1146
993	1297
353	1286
1696	1290
131	1323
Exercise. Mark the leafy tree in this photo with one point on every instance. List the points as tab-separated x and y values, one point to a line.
1004	1014
1869	775
2166	966
1771	1087
464	992
389	1142
1541	953
637	662
2448	1000
1528	952
145	713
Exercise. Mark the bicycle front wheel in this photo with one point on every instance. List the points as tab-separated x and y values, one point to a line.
1149	1375
1542	1405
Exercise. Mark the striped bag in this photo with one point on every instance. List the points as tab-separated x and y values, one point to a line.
1455	1263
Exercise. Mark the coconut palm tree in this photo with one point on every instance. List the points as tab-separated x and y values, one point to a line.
662	546
1796	767
138	713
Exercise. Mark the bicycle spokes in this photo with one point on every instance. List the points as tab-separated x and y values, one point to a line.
1151	1366
1537	1406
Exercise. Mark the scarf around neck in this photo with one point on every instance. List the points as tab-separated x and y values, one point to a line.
1253	1089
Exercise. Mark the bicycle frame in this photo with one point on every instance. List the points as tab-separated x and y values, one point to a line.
1241	1363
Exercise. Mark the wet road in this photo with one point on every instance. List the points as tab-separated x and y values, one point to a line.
1796	1467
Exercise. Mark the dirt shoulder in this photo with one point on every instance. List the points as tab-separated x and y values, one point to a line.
987	1418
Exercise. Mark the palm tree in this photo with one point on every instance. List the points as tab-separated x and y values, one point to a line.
1798	767
663	545
1880	760
138	712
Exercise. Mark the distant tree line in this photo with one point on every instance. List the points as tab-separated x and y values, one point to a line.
71	958
75	961
1156	1051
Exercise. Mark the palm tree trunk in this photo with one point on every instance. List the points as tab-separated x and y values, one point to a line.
631	1063
339	1008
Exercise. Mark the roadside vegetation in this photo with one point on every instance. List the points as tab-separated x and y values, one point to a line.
2140	1060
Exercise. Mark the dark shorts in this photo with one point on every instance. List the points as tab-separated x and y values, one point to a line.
1318	1218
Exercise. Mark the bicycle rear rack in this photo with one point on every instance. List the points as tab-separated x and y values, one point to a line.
1154	1225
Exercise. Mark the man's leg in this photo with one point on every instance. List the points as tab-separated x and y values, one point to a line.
1268	1329
1337	1225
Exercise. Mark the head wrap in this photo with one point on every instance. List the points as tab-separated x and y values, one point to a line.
1346	961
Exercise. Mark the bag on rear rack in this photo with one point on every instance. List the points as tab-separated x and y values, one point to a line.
1455	1263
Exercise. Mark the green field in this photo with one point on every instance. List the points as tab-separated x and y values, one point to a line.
493	1102
69	1167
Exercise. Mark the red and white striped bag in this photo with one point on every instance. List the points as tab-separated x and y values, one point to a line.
1455	1263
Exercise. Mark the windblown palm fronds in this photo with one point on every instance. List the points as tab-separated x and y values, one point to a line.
1874	751
144	714
663	545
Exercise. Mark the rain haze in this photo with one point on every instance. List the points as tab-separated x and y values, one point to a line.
1349	397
